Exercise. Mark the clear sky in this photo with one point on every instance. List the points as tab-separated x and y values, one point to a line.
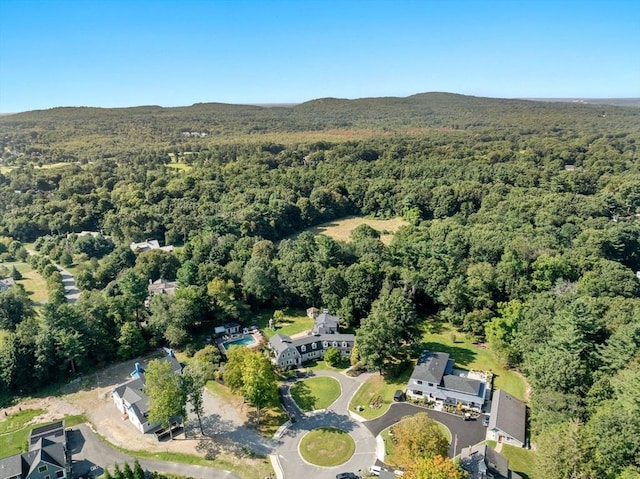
180	52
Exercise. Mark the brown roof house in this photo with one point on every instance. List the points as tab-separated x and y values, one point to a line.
507	423
48	456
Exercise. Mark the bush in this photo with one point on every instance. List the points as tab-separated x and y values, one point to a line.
332	356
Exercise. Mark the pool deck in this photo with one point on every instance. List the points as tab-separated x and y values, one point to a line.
256	335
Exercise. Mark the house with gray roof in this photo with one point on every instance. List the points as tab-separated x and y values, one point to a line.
507	423
293	352
434	379
131	400
48	456
483	462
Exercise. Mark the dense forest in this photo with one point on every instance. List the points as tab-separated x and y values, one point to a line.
523	231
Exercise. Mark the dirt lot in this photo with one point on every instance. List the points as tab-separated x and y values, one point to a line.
225	437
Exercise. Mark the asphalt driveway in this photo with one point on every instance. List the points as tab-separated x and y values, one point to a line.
90	455
469	432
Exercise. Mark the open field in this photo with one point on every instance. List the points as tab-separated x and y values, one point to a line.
470	356
31	281
340	230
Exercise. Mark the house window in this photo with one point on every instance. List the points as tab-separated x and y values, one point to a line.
60	474
430	385
325	344
42	468
418	381
417	392
47	477
335	344
314	345
344	344
303	348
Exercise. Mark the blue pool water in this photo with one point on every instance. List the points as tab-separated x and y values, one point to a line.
247	340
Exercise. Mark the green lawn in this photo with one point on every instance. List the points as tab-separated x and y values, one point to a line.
376	395
520	460
327	447
315	393
14	431
32	282
294	322
469	356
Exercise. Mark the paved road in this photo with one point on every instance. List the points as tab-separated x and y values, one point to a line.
336	415
469	432
71	291
88	451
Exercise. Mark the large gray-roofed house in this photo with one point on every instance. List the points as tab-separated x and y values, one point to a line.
433	379
507	423
293	352
131	400
48	456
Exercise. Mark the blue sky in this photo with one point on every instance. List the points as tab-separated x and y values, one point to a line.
169	53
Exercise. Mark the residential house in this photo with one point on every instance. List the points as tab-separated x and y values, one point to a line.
48	456
507	423
434	379
293	352
483	462
160	286
131	400
312	312
148	246
6	284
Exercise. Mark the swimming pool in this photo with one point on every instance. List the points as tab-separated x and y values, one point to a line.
247	340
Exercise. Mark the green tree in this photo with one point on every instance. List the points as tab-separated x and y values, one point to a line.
138	472
332	356
131	341
437	467
167	397
193	381
418	437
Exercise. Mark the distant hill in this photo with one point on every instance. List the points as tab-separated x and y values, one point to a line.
85	133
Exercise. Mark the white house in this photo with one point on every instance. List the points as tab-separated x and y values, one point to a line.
148	246
433	379
507	423
131	400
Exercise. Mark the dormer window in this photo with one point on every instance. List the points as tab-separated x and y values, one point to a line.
314	345
344	344
335	344
303	348
325	344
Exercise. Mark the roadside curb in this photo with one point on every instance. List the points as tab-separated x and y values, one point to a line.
275	463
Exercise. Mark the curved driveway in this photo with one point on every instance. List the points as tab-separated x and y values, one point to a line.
336	415
364	434
88	451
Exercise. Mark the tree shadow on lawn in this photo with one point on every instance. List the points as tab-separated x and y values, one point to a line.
462	356
301	394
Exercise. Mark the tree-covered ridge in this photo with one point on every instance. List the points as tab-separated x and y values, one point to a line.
85	134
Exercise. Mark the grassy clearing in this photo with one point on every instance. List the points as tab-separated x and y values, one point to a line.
520	460
295	321
33	284
470	356
376	395
14	431
315	393
181	167
327	447
340	230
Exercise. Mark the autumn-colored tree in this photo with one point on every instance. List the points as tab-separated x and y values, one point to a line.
436	467
418	437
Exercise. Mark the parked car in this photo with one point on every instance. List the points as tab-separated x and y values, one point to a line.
398	396
346	475
375	470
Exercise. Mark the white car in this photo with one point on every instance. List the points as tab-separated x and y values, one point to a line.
375	470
